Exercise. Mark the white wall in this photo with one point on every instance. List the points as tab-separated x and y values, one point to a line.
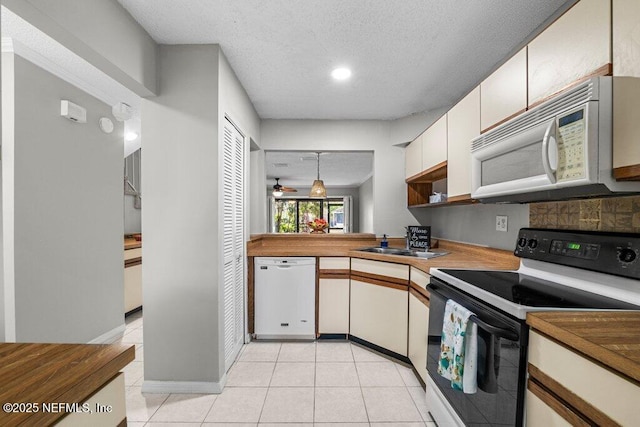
180	218
366	206
132	216
3	129
475	223
257	205
101	32
389	188
62	204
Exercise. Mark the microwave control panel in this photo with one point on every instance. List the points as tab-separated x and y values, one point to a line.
571	138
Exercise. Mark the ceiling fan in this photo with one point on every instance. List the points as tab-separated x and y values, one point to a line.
279	189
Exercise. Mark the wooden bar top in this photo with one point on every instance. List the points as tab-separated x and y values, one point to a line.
611	338
307	244
55	373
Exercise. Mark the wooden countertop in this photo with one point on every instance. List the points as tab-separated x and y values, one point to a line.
460	255
131	243
608	337
50	373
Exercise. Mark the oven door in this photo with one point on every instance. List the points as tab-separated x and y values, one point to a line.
501	364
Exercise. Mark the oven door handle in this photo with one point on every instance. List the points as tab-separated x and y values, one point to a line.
494	330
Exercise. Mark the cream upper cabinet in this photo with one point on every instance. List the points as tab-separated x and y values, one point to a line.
626	126
504	93
413	157
434	144
577	45
463	125
626	38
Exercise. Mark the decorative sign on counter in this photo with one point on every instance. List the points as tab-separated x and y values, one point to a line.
419	237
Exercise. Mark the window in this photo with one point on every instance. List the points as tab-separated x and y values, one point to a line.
292	215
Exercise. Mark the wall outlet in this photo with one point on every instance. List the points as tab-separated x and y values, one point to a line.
501	222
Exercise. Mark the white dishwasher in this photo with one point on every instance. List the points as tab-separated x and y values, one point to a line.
285	298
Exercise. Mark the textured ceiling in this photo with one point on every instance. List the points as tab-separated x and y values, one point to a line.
337	169
406	56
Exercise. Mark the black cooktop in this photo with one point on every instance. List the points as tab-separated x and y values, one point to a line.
533	292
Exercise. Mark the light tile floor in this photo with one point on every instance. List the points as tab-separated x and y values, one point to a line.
289	384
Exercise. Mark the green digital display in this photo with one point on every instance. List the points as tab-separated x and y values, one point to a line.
573	245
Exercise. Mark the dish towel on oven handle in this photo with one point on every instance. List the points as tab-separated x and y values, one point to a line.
459	348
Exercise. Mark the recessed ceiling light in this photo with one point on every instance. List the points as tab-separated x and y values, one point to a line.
341	73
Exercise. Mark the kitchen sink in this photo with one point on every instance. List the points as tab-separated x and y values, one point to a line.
403	252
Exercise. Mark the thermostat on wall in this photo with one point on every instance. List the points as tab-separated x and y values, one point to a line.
73	112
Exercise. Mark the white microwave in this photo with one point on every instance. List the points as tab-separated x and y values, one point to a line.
560	149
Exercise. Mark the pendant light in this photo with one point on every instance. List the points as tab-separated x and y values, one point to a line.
318	189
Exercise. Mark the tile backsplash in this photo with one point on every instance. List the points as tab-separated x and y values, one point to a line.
620	214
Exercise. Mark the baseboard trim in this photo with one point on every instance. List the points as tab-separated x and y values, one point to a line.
109	337
184	387
322	337
135	310
379	349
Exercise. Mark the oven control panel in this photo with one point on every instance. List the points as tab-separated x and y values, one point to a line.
611	253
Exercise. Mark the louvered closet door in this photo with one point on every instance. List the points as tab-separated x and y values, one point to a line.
233	242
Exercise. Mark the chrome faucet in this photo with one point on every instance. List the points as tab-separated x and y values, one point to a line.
407	238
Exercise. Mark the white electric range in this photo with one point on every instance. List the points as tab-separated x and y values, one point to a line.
559	270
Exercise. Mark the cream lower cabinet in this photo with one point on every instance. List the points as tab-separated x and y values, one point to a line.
108	407
333	306
379	314
333	295
543	415
558	374
132	287
132	279
418	328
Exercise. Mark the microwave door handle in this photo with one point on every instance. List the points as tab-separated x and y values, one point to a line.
546	142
